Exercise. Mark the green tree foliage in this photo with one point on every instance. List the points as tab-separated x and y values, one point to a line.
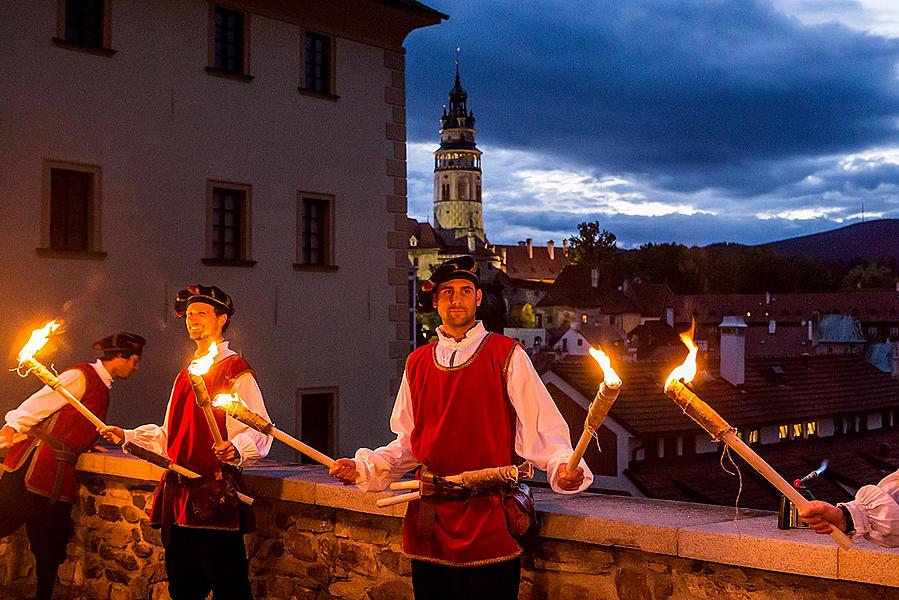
592	245
528	319
870	275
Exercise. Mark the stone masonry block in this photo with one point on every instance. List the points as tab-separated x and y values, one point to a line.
395	167
394	60
395	96
396	204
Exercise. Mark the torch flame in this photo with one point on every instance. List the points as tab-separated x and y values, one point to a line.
687	369
37	341
201	365
221	400
609	375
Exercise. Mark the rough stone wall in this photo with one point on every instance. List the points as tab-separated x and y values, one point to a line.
305	552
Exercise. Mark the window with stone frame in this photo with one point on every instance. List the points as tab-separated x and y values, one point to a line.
315	226
229	43
228	224
318	66
71	194
84	22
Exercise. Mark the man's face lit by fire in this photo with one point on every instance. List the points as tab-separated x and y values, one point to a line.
202	322
457	301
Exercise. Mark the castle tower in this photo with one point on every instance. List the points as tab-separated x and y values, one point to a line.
458	217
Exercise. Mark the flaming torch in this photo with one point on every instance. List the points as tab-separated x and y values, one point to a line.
472	481
721	431
196	370
38	340
236	409
599	408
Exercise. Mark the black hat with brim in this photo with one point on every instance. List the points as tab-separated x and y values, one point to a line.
462	267
207	294
121	342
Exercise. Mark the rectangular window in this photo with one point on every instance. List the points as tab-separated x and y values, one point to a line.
584	318
84	21
228	224
811	429
315	227
71	215
894	333
316	420
70	208
796	431
783	432
229	42
317	61
872	332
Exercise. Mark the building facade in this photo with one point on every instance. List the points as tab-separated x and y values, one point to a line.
255	145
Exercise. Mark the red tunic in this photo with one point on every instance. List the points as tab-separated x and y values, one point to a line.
463	421
69	427
190	443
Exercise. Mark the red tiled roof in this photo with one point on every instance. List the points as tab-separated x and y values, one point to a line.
867	305
574	288
539	267
854	460
425	234
651	298
810	388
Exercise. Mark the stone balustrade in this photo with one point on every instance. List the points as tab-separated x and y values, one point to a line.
319	539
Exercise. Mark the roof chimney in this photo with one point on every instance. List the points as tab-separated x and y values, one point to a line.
565	252
594	277
504	254
767	297
551	248
733	350
530	242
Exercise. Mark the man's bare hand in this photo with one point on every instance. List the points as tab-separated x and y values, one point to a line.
822	517
345	471
569	482
226	452
9	436
113	434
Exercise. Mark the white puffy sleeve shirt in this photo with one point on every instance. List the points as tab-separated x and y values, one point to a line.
541	434
875	511
250	443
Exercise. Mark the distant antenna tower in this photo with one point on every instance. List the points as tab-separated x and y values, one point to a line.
863	212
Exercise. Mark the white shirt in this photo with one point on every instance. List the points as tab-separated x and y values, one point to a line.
875	511
541	434
250	444
47	401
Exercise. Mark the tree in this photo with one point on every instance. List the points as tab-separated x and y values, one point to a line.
527	318
592	244
870	275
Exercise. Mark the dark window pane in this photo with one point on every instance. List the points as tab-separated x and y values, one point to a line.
313	242
228	40
70	195
84	22
318	63
227	221
316	422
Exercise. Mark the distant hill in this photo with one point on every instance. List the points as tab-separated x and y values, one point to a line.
869	241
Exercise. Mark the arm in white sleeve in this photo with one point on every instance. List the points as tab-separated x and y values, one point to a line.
875	511
152	437
378	468
541	434
251	444
46	401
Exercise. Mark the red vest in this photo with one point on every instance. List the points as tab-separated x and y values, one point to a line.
69	427
190	443
463	421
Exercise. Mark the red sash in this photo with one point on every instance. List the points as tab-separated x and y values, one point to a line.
190	443
75	432
463	421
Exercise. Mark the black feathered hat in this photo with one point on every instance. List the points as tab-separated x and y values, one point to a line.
200	293
121	342
462	267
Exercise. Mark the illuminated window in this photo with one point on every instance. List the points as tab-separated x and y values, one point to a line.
783	432
752	436
584	318
811	428
797	430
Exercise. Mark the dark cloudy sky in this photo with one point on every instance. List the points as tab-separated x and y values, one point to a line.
689	121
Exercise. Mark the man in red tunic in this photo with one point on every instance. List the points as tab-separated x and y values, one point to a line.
470	401
202	524
46	435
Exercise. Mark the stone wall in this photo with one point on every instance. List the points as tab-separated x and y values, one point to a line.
318	540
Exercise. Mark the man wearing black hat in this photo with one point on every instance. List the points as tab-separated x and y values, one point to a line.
472	400
202	525
45	436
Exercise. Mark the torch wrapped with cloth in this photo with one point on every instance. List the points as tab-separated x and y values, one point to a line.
29	364
236	409
195	371
676	389
599	408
